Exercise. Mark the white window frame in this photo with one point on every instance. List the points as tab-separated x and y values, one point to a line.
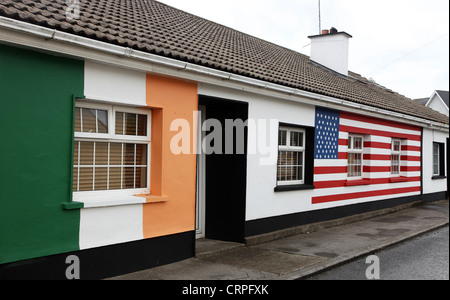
351	150
438	159
290	148
124	194
396	153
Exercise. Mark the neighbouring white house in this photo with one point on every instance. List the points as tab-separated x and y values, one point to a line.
438	101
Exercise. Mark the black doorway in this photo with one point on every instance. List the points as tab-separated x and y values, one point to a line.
225	175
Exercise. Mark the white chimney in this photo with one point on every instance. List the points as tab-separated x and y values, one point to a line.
330	49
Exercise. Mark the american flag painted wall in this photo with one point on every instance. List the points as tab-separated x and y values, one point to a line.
331	181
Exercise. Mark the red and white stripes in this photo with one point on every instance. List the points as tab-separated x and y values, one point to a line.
377	182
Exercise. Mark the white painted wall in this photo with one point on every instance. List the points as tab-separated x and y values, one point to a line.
262	201
113	84
432	185
110	225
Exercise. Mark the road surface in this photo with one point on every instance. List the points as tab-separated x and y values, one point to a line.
423	258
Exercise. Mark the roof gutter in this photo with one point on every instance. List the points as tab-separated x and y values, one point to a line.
52	34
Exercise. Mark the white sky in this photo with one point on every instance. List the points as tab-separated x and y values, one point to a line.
402	44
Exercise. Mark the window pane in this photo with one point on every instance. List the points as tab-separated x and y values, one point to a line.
435	169
436	149
358	158
142	125
300	158
77	119
396	170
282	138
281	169
86	179
115	175
141	178
102	121
396	146
101	154
128	158
281	174
354	165
141	155
86	153
357	143
130	124
119	123
358	170
115	154
296	139
395	164
101	179
282	158
394	159
89	120
299	173
128	178
291	159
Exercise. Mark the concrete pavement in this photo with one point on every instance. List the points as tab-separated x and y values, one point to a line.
301	255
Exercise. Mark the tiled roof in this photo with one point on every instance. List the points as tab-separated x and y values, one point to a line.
153	27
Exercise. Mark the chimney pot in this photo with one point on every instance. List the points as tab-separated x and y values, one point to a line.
325	31
333	30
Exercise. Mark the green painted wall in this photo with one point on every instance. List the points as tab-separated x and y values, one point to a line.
36	93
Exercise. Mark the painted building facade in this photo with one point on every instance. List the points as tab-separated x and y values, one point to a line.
89	169
58	222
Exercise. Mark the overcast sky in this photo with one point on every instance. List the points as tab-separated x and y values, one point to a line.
401	44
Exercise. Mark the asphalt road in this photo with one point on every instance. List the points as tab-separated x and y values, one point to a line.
423	258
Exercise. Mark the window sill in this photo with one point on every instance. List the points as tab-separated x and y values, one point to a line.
398	179
368	181
357	182
153	199
438	177
109	201
297	187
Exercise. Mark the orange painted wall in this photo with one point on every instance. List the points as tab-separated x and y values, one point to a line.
173	176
